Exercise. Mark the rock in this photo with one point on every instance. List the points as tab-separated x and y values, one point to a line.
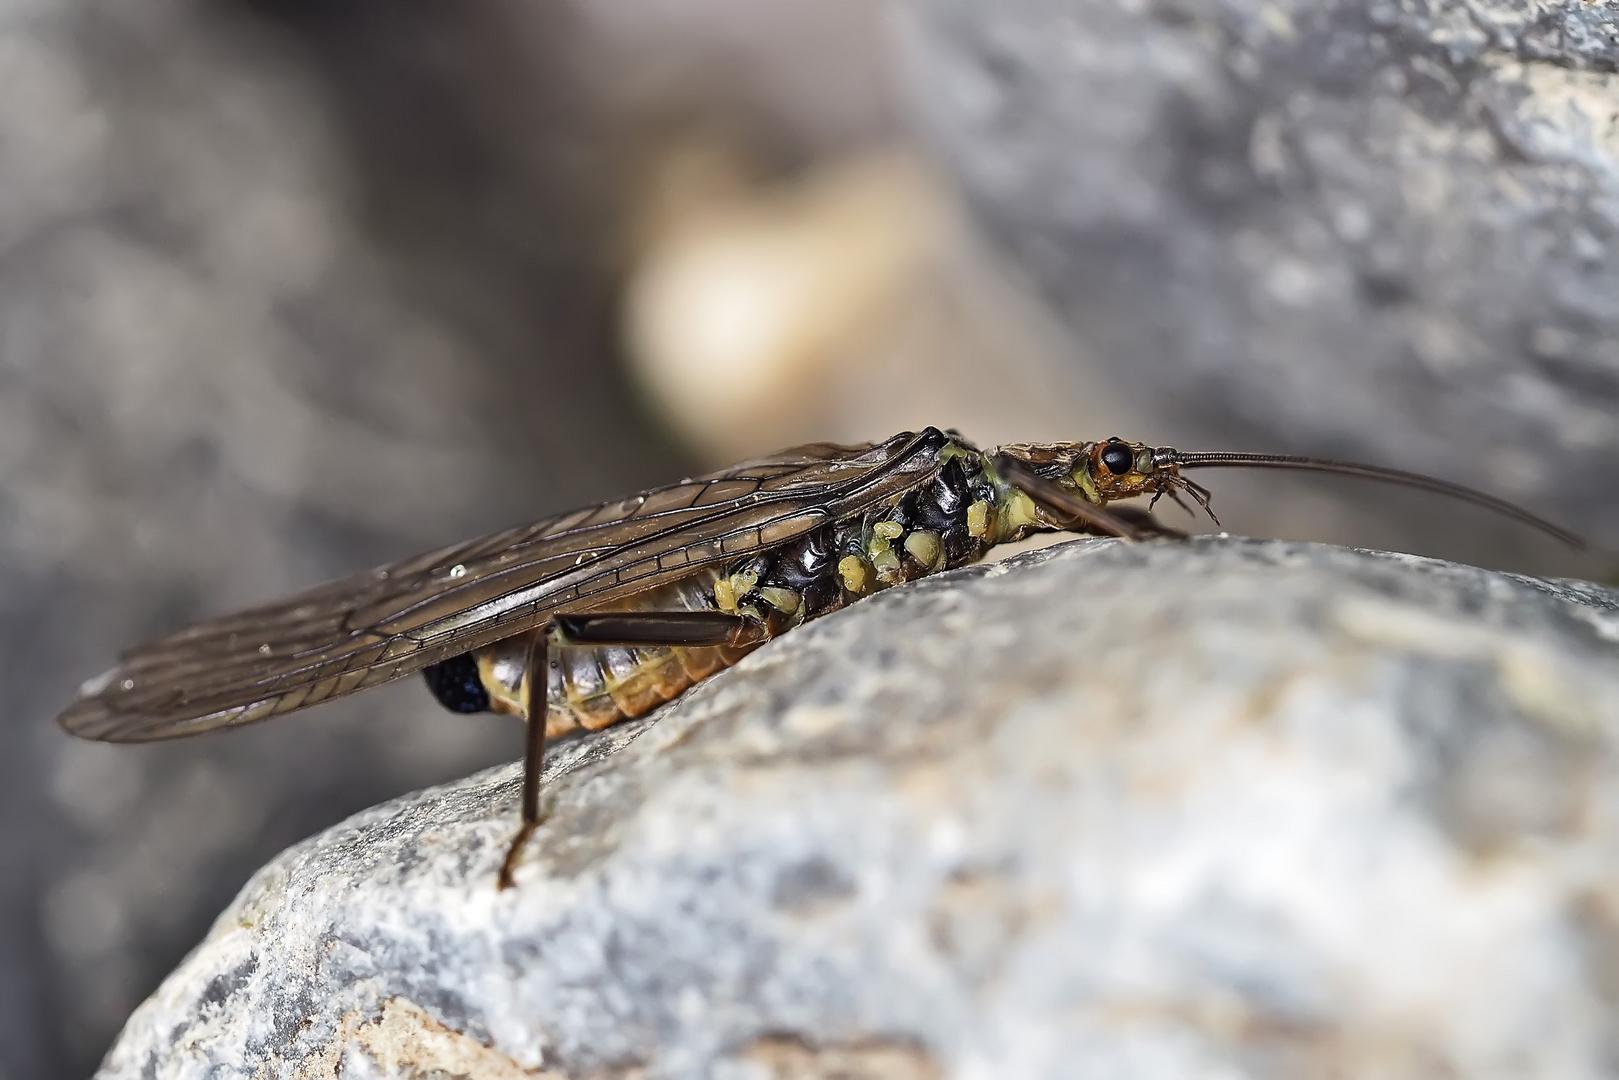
1226	807
1378	228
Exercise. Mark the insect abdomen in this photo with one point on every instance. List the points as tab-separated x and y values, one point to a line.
589	686
592	687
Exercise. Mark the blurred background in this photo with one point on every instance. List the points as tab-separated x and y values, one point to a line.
295	287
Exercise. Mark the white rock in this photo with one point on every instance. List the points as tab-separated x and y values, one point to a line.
1217	809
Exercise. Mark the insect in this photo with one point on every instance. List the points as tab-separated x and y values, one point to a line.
601	614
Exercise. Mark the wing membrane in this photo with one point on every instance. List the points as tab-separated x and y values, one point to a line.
373	627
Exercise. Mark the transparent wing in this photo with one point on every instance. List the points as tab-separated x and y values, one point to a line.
368	629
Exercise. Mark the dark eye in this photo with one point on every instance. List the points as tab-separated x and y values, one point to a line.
1117	458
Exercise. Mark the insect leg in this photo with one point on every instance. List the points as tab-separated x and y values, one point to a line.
689	628
1067	508
537	664
1146	523
629	628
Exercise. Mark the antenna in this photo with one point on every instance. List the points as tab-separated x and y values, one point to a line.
1370	472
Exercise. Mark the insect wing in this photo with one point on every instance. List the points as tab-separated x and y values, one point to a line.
368	629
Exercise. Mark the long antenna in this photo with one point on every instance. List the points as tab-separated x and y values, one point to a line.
1373	472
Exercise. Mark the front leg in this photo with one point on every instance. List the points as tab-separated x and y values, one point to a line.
1148	526
692	629
1069	510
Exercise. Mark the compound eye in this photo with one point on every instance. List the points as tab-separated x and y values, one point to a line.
1116	456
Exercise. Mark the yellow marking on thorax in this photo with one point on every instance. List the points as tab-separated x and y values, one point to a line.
852	571
1082	477
926	548
1016	512
978	520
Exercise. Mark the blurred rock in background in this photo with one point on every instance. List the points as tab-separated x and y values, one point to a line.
845	300
294	287
1382	229
795	267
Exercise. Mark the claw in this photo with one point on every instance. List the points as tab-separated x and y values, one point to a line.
509	863
1199	494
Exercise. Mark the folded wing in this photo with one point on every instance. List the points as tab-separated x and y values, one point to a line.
377	626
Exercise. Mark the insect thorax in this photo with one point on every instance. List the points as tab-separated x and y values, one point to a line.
949	520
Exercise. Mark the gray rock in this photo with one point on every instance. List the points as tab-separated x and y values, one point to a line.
1227	808
1380	228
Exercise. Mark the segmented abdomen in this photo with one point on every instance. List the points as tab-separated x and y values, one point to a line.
594	686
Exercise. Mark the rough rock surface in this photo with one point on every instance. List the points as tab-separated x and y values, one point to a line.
1227	808
1383	228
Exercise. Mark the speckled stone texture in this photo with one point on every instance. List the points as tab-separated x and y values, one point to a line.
1378	228
1224	808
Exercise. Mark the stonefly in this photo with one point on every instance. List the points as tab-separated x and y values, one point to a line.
625	605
